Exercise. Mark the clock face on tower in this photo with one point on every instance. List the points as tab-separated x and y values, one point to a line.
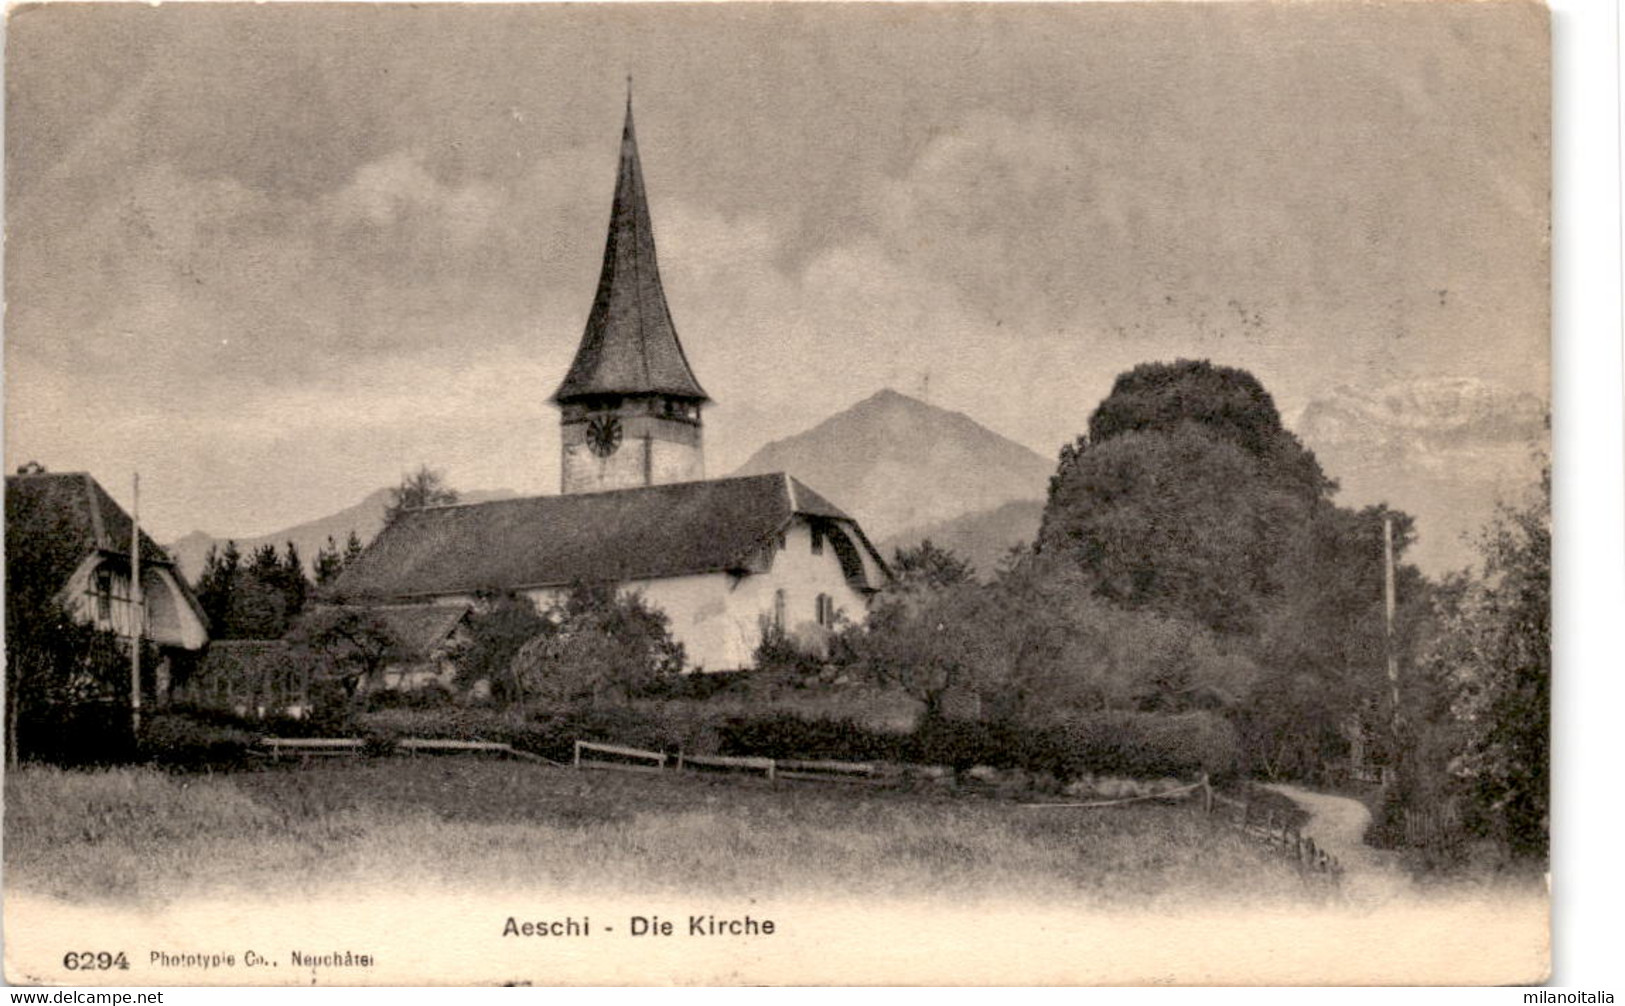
604	434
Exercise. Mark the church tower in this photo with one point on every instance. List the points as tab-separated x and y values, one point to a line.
630	405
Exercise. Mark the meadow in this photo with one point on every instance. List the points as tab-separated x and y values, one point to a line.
138	836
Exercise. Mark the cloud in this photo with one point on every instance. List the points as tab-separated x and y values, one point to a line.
398	192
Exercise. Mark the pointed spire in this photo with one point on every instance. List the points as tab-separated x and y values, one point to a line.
630	345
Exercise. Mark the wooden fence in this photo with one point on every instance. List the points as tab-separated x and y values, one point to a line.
1261	823
1435	828
590	754
306	748
586	755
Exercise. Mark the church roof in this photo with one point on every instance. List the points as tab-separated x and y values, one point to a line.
630	345
684	528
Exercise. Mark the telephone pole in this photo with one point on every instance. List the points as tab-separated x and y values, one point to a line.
1388	615
137	611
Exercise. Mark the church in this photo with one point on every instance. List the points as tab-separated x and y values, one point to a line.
723	558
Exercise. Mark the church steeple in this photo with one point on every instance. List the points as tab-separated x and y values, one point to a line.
630	346
630	403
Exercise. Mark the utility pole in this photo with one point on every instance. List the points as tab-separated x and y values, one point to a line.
1388	615
137	610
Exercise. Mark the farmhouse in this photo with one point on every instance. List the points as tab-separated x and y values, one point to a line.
723	558
80	539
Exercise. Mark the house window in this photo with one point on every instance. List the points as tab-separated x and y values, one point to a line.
104	595
826	611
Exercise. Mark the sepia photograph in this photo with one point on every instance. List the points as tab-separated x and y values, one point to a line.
778	493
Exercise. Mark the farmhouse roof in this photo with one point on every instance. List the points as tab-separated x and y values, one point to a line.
722	525
630	345
71	514
421	628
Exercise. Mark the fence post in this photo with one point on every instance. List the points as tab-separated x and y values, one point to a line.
1207	796
577	760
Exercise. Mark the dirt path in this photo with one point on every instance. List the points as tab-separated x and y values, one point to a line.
1371	877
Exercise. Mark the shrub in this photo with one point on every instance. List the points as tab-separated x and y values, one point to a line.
81	735
176	740
1137	745
700	686
605	646
785	735
551	733
962	744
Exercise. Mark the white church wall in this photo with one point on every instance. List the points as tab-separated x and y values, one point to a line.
718	616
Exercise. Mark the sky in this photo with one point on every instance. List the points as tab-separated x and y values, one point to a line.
273	256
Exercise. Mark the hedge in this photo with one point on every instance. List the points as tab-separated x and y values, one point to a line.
1137	745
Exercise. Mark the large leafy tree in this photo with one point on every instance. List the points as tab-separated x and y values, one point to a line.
1324	644
422	488
1037	643
1496	651
1183	523
930	565
1227	403
930	643
1184	496
346	645
1188	499
500	626
603	644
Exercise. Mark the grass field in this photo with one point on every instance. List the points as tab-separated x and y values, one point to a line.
138	836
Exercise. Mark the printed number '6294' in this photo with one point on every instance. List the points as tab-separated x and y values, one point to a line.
95	960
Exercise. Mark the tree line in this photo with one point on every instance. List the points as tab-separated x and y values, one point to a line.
1191	561
265	595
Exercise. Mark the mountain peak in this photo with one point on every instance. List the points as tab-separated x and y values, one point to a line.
886	396
895	462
